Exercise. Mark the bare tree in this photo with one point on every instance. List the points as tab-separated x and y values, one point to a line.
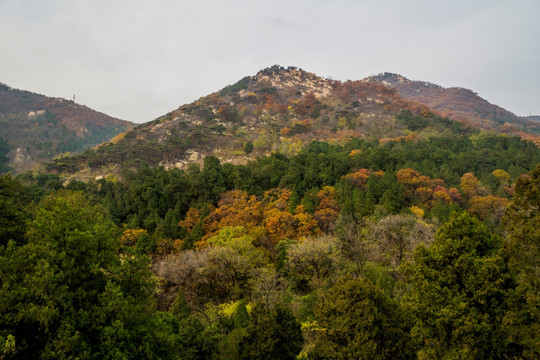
316	260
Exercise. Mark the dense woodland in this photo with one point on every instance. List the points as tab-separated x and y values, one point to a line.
365	250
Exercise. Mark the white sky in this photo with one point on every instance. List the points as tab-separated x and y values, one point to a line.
137	60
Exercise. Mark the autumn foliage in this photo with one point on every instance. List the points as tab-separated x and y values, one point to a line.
267	218
428	191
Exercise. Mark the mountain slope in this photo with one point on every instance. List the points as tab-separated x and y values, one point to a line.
282	109
278	109
37	128
458	104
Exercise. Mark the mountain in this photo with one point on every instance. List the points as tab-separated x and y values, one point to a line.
36	128
458	104
280	109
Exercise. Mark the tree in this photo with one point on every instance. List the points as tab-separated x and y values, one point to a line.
503	178
358	179
248	148
315	260
357	320
396	236
327	210
523	245
271	334
353	240
169	226
268	287
486	206
188	337
66	293
13	213
469	184
461	291
181	272
279	224
4	158
217	273
212	178
235	208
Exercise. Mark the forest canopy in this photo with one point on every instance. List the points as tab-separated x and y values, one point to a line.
372	250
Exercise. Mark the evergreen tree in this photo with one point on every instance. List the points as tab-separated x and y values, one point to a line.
357	320
4	158
67	294
271	334
13	213
461	292
522	221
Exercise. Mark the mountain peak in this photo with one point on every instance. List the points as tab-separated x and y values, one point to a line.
278	72
392	80
294	78
390	77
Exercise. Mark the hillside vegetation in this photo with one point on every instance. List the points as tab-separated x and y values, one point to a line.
278	109
36	128
285	217
406	249
462	105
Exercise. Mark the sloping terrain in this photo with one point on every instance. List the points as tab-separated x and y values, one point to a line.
36	128
278	109
458	104
398	222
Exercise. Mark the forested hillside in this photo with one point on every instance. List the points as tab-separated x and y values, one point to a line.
361	249
284	109
286	216
461	105
36	128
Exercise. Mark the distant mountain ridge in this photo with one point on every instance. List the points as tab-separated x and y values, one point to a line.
38	128
457	103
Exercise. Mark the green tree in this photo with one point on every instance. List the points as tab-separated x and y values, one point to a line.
248	148
271	334
294	201
393	197
213	179
4	158
523	245
13	213
67	294
461	289
357	320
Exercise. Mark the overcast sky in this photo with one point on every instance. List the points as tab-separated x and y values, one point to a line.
137	60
